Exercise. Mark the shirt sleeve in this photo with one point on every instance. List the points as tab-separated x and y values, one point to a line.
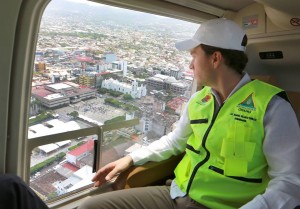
173	143
282	150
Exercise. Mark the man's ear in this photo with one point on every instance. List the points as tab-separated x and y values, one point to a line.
216	59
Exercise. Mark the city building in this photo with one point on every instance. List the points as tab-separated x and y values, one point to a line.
88	79
164	82
60	94
120	65
80	152
176	73
78	179
102	67
110	57
40	66
51	126
133	89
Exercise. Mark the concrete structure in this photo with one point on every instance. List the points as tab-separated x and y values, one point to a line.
60	94
40	66
110	57
78	179
176	73
164	82
134	90
87	80
50	127
75	155
120	65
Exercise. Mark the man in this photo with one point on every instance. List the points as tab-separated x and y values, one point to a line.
15	194
241	138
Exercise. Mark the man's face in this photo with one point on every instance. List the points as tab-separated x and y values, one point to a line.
201	66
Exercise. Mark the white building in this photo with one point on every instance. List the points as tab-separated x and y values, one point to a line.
77	180
176	73
102	67
110	57
53	126
133	89
75	155
120	65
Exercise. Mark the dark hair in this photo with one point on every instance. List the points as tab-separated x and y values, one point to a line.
234	59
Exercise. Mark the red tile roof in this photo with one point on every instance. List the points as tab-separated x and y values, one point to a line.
70	167
40	91
84	59
88	146
176	102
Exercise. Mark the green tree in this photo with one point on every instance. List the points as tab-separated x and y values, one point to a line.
74	114
102	90
127	97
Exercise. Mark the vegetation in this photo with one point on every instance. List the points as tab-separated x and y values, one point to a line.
130	107
75	146
142	75
116	103
114	93
74	114
95	36
127	97
41	117
115	120
46	163
109	91
102	90
113	102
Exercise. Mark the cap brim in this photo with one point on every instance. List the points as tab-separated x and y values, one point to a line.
186	45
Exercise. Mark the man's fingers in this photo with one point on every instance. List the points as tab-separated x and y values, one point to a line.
98	183
111	174
112	169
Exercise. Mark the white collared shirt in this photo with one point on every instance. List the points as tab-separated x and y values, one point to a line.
281	148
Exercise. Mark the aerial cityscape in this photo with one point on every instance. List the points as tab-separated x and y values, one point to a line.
96	65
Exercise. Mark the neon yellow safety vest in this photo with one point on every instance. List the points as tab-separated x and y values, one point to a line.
224	166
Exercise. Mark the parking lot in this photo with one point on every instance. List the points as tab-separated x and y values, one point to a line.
94	109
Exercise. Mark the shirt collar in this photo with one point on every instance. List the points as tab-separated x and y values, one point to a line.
245	79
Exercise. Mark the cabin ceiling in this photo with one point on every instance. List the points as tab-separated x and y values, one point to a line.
201	10
233	5
215	7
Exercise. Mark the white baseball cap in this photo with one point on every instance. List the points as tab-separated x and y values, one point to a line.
221	33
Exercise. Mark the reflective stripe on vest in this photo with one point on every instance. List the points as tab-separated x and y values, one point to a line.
224	165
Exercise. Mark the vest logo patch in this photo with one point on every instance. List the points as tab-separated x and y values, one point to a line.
205	99
248	104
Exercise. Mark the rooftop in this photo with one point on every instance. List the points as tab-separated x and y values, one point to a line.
58	86
89	145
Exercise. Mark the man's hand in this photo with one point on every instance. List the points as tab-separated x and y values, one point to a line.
107	172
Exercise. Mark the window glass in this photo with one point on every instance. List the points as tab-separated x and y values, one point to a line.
97	65
62	167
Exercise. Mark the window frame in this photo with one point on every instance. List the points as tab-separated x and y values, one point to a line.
18	148
95	130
